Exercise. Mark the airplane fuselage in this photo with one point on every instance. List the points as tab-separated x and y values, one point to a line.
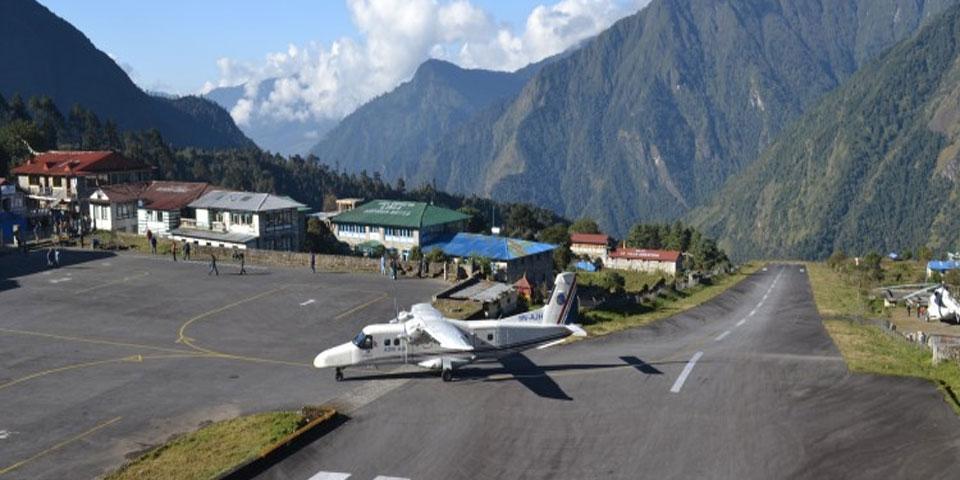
388	344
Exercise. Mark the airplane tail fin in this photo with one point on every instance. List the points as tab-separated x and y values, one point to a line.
562	306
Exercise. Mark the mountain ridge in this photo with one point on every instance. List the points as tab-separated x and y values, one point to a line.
873	167
647	120
53	58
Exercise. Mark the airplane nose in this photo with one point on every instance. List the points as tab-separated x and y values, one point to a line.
321	360
339	356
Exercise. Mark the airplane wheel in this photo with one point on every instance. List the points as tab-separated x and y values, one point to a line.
446	375
339	375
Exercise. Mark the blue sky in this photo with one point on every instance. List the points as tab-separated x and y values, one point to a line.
173	45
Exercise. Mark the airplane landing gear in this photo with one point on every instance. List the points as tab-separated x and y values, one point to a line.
338	375
447	374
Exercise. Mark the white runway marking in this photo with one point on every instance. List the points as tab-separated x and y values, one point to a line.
61	279
752	312
308	302
722	336
5	434
686	371
548	345
383	477
329	476
741	322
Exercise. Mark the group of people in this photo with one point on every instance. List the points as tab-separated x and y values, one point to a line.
184	251
390	266
920	310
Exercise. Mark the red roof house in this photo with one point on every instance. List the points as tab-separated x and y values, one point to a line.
667	261
78	164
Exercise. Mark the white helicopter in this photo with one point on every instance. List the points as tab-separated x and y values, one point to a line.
425	337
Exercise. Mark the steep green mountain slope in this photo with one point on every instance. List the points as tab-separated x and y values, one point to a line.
389	134
874	166
648	119
42	54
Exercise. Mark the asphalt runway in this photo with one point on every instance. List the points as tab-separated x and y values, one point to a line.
746	386
110	355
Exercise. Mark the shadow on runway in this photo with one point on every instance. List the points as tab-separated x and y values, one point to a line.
517	367
16	264
642	366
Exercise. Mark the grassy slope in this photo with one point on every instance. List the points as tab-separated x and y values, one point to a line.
602	322
212	450
866	348
633	281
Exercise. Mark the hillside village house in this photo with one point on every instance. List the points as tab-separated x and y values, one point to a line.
396	224
592	245
163	204
666	261
511	259
114	207
243	220
64	180
138	207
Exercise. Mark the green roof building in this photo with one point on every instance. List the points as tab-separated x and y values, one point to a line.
396	224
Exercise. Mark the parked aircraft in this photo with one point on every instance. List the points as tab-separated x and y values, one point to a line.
423	336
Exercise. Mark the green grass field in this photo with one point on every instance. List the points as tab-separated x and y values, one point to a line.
212	450
633	281
602	322
866	348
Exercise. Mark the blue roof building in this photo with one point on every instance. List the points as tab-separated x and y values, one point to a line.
941	266
511	257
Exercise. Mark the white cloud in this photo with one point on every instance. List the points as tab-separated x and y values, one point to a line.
317	81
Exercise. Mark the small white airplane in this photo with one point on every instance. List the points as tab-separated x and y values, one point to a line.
942	306
425	337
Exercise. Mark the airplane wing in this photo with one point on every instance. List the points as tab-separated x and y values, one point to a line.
447	334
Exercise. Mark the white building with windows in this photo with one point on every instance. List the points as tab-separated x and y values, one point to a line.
243	220
396	225
114	207
65	180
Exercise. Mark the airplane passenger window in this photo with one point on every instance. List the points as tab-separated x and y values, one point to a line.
489	336
386	342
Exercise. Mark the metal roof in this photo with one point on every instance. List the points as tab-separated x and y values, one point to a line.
494	248
245	201
230	237
395	213
943	265
482	292
590	238
78	163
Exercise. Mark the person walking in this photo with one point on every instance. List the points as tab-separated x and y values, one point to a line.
313	262
393	268
243	263
173	249
186	251
36	233
383	265
56	257
50	256
213	266
153	244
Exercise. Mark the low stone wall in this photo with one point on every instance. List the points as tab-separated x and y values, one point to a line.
338	263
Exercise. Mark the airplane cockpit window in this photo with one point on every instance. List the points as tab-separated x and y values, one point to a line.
363	341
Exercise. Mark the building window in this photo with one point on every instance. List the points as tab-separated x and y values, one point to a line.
57	182
398	232
241	218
